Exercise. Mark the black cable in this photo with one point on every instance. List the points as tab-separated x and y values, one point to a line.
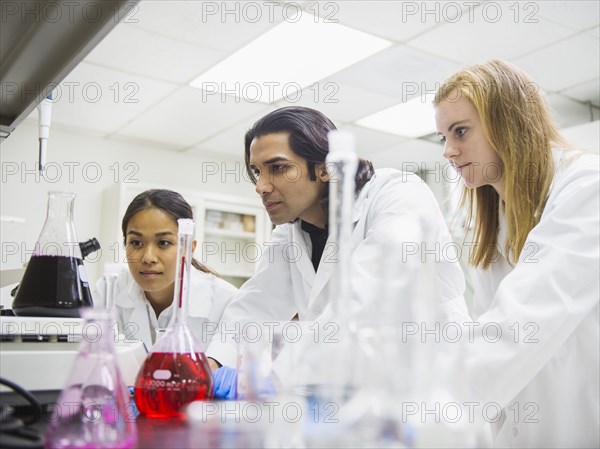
13	433
37	407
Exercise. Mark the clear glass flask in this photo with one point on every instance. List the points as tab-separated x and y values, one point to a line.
55	283
325	369
176	372
94	410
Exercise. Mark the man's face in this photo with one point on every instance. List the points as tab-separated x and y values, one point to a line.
283	182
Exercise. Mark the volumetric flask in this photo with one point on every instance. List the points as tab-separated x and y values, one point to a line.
176	372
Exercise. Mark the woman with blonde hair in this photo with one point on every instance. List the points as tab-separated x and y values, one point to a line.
533	203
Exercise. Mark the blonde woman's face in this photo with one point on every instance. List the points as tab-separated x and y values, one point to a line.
465	144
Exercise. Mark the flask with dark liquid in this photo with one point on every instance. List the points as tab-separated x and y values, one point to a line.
176	372
55	283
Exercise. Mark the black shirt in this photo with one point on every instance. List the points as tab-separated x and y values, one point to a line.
318	237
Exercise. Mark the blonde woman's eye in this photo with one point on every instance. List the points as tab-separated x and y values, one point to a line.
461	131
442	138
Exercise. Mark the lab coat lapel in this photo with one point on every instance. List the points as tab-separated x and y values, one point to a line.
328	265
302	249
202	295
139	318
136	323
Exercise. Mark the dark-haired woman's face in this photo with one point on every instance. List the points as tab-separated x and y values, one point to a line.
151	248
283	181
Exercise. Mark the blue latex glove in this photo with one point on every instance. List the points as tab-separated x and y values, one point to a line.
225	383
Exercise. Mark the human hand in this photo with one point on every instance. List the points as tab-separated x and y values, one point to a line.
225	383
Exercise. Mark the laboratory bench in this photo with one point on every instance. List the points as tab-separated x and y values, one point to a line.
151	433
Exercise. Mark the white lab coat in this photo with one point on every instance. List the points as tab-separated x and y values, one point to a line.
547	382
208	296
285	282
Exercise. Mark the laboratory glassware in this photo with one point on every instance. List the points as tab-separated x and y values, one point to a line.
94	409
55	283
324	368
176	372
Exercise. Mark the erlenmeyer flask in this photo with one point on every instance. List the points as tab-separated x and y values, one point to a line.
94	408
55	283
176	372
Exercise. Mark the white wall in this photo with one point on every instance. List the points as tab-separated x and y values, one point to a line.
586	135
74	160
88	165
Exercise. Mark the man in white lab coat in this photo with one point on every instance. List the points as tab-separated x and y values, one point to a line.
285	155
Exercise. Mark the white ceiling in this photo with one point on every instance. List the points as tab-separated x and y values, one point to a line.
134	85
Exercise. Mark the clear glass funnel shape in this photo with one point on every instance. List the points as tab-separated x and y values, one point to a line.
176	372
55	282
94	409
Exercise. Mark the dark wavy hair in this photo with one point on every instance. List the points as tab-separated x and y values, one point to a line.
168	201
307	130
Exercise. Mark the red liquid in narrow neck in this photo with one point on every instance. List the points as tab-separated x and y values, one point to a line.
168	381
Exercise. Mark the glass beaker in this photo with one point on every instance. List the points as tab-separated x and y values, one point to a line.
55	283
94	409
176	372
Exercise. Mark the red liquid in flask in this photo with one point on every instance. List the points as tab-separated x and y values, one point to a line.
168	381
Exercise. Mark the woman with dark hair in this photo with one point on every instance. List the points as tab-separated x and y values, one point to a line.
143	294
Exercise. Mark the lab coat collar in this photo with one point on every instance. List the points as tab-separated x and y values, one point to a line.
131	296
303	261
134	297
359	202
321	279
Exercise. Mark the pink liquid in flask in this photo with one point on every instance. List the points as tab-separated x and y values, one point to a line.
168	381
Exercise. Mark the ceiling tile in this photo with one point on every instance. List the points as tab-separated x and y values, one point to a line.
578	15
146	53
547	66
493	32
400	71
231	140
341	102
589	91
368	141
225	26
189	116
392	20
411	155
100	99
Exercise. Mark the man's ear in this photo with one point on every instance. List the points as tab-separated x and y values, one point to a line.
321	172
194	245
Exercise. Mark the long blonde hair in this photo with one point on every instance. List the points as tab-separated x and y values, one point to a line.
517	124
